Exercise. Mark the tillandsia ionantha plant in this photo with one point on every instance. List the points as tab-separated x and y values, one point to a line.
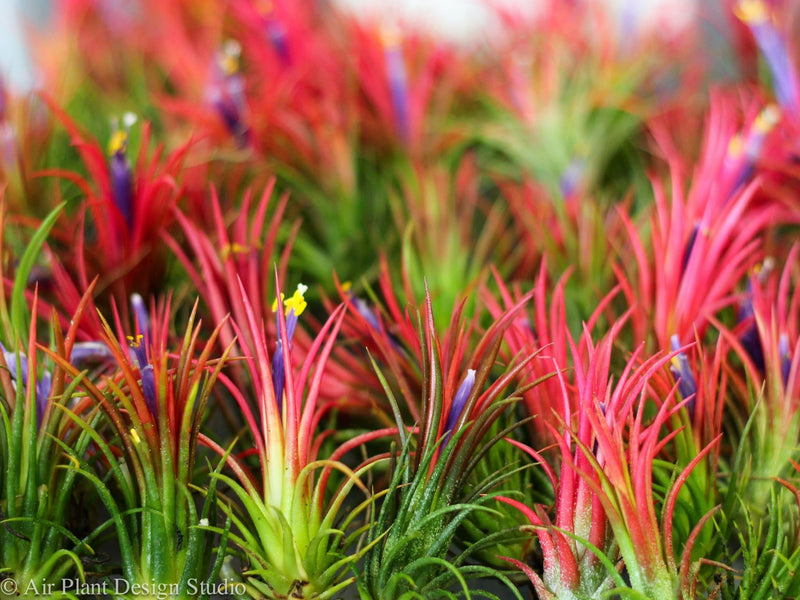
429	494
36	483
295	532
151	407
126	202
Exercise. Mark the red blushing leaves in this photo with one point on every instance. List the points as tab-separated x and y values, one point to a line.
96	240
704	240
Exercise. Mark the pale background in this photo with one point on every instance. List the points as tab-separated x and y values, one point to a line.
457	19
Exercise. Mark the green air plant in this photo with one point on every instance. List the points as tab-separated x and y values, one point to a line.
152	408
36	485
428	497
294	529
765	424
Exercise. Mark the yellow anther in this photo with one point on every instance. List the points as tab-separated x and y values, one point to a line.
229	58
346	286
264	7
233	249
275	303
135	341
736	146
118	142
751	11
297	302
767	119
135	437
389	36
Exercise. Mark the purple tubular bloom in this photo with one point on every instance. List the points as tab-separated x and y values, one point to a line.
683	375
278	371
43	387
19	372
398	86
278	375
277	37
89	352
149	388
463	393
139	347
773	46
229	112
751	339
786	358
141	314
122	186
687	253
365	311
571	178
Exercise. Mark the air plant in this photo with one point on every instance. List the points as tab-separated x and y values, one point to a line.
703	240
227	269
152	407
764	20
609	469
429	495
38	543
768	417
293	527
115	233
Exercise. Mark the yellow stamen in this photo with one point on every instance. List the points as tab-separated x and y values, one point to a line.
275	303
752	12
346	286
135	342
389	36
736	146
264	7
232	250
135	437
767	119
229	59
118	142
297	302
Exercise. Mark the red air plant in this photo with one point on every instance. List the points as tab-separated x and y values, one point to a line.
545	329
229	267
703	240
115	234
608	454
774	39
767	340
292	534
409	84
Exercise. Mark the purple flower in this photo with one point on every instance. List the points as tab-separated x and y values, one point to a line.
19	372
120	170
398	82
226	90
572	177
786	358
683	375
294	307
687	253
89	352
772	43
457	407
141	314
743	152
139	346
